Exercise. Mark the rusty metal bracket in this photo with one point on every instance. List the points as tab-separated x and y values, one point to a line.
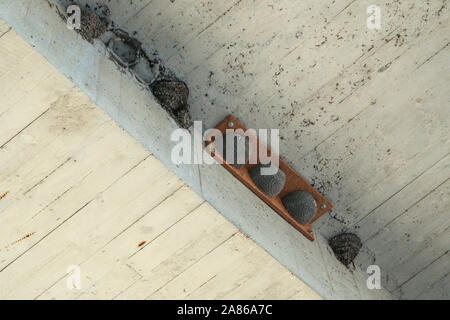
294	182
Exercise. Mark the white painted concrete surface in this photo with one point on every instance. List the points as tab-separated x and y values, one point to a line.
77	190
364	116
147	122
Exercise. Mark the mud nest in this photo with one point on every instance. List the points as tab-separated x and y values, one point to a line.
346	247
92	26
173	96
127	53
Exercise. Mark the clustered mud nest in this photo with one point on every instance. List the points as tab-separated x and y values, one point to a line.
173	96
346	247
127	53
92	26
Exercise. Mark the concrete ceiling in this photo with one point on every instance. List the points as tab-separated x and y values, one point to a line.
363	114
63	203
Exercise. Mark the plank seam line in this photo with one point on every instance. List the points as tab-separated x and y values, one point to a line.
420	271
196	262
14	136
78	210
405	211
345	8
87	289
133	223
139	11
365	56
128	287
247	255
434	284
428	242
345	69
49	233
169	227
60	196
218	18
342	72
223	45
85	205
78	182
400	190
342	100
341	127
33	52
302	42
48	175
203	284
177	52
134	270
432	56
9	29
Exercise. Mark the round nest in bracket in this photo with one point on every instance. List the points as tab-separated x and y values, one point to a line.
241	150
346	247
270	185
301	206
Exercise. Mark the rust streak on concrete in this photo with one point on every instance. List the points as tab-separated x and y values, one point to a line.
4	195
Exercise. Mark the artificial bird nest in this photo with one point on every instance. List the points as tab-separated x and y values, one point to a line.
346	247
301	206
270	185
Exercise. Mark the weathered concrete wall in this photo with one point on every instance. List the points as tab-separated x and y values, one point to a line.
137	112
363	114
